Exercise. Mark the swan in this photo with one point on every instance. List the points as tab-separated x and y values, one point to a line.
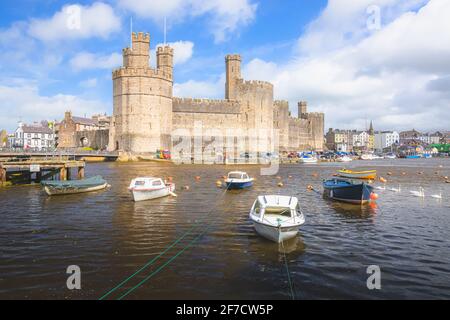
380	188
419	193
437	196
396	189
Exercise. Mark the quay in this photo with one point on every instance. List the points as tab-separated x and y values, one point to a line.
16	171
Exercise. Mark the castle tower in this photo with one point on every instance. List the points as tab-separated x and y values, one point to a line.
233	74
142	116
164	60
302	110
138	56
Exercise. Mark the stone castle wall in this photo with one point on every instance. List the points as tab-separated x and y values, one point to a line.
145	111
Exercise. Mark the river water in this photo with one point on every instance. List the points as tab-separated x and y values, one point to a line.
110	237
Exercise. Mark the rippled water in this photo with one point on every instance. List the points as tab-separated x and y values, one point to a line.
110	237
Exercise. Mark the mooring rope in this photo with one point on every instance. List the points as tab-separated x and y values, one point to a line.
291	286
173	244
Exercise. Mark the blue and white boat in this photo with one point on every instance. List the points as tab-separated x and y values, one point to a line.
348	191
238	180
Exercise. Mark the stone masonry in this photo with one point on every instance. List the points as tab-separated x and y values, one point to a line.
147	117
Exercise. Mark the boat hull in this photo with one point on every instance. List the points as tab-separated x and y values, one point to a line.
56	191
276	234
356	194
144	195
308	160
358	175
239	185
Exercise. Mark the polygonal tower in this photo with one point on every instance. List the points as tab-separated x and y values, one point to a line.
142	116
233	75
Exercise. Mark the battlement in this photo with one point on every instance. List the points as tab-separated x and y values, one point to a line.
193	105
141	72
281	103
233	57
140	37
164	50
257	84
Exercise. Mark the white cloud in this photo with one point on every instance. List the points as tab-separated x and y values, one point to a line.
89	83
22	100
183	51
226	16
87	60
394	76
200	89
77	22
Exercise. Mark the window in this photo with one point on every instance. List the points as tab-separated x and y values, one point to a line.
139	183
257	209
156	183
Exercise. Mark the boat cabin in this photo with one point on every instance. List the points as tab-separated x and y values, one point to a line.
238	175
147	183
277	208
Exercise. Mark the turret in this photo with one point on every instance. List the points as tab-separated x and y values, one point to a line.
302	109
233	73
138	56
164	60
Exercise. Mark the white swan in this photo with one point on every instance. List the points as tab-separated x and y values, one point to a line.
437	196
380	188
419	193
399	189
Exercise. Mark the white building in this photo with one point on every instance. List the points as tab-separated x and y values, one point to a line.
385	139
36	136
360	138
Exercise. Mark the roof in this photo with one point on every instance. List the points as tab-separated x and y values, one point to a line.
36	129
278	201
85	121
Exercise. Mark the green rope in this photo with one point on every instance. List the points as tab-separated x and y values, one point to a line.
165	264
291	286
197	224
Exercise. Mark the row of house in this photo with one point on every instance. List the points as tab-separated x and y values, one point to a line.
71	132
352	140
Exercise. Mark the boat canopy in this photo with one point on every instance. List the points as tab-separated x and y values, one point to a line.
86	183
278	201
238	175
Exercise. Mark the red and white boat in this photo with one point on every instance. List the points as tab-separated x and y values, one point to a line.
148	188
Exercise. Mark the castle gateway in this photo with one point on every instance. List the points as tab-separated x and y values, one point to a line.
147	116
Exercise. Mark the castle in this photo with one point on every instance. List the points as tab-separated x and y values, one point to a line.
148	117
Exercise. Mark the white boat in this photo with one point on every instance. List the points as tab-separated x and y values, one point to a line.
277	218
367	156
147	188
53	188
238	180
308	159
390	156
344	159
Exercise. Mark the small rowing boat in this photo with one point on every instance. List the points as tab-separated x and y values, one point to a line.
368	175
148	188
344	159
53	188
238	180
277	218
347	191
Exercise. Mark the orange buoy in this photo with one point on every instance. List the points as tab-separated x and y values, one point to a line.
219	184
280	184
373	196
224	177
310	187
197	178
170	179
389	173
290	177
315	174
446	178
383	180
404	173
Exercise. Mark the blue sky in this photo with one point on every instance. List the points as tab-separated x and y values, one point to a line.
315	50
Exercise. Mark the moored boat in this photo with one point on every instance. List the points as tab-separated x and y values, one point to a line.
53	188
277	218
348	191
367	156
148	188
308	158
368	174
344	159
238	180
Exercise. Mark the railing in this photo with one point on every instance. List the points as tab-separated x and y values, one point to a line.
51	153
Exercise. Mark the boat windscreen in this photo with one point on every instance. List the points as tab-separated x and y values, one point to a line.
234	176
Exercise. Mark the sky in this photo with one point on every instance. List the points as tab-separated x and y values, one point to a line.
357	61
